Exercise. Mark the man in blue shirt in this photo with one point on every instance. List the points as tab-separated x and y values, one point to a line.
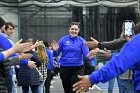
129	56
5	44
16	48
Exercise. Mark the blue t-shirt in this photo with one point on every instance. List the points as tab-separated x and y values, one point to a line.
50	59
5	45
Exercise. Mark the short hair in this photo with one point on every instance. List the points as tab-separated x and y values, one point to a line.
75	23
46	43
2	22
7	24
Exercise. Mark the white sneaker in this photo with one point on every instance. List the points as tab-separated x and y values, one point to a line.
51	86
55	77
52	81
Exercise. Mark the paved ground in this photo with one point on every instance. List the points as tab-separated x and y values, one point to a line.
58	88
102	87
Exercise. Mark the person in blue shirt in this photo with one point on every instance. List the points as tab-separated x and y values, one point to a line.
5	69
16	48
5	44
50	67
129	56
71	62
10	81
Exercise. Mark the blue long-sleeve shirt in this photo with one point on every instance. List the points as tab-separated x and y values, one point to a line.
50	59
73	50
128	57
5	45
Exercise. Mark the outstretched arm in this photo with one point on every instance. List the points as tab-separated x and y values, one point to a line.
110	45
128	56
6	54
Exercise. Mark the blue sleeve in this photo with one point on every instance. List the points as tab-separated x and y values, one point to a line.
92	62
4	43
113	54
128	56
51	59
85	49
24	61
1	57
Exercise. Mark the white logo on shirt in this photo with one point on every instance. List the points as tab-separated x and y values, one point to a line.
67	42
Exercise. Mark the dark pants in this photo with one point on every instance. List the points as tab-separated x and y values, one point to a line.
137	91
69	75
50	75
9	83
34	89
17	70
56	71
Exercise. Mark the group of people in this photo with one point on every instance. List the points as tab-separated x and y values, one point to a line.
10	51
73	49
31	62
126	58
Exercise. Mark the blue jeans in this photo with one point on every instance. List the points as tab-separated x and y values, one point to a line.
111	85
14	88
125	86
34	89
41	87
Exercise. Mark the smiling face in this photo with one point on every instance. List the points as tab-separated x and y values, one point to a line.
74	30
9	28
9	31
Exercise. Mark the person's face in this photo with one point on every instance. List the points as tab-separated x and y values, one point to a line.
74	30
50	47
9	31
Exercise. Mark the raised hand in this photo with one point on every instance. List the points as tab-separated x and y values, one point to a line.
21	47
92	44
37	43
54	45
92	53
18	42
103	55
82	85
31	64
